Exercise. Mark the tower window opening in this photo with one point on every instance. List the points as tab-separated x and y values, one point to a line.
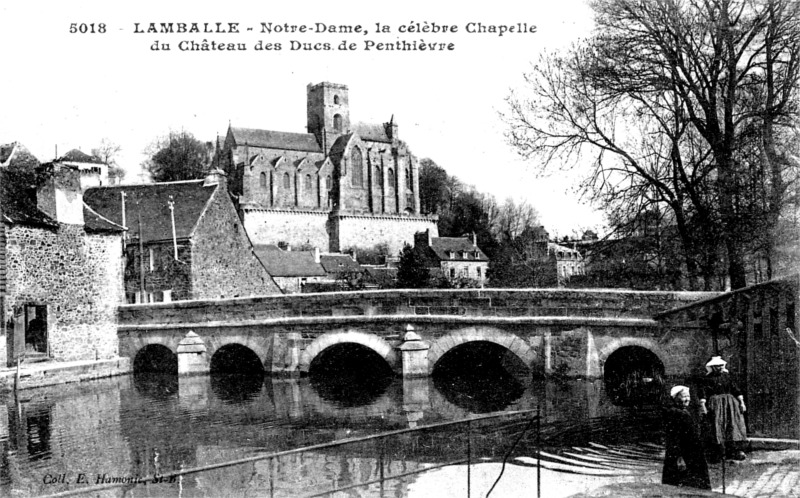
337	123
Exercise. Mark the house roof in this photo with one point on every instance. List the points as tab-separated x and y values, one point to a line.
372	132
338	148
18	199
16	154
152	202
77	156
305	142
335	263
288	263
443	246
95	222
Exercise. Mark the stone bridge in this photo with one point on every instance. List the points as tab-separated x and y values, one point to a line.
572	333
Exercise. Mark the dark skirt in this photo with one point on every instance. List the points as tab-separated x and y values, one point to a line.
727	419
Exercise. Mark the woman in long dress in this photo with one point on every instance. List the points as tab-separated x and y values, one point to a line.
723	401
684	458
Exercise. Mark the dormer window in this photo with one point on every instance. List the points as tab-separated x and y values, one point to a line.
463	254
451	254
476	255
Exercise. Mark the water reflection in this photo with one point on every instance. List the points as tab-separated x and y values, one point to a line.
236	388
157	386
157	423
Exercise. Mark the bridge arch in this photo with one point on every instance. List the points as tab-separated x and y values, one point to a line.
371	341
510	341
649	344
258	344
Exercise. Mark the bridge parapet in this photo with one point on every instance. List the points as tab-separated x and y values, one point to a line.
455	303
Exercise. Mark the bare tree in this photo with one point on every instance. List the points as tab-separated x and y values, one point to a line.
660	98
107	152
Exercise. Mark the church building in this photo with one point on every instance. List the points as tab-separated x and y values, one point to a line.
337	187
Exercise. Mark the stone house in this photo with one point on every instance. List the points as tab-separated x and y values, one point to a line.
453	257
338	186
569	262
185	241
93	171
60	266
292	270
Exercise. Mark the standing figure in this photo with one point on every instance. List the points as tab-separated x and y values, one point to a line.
722	400
684	459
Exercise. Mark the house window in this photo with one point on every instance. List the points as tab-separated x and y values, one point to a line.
478	271
308	183
452	273
336	99
286	182
263	180
152	259
358	168
337	123
167	294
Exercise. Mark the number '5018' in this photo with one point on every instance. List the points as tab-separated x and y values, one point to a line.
87	28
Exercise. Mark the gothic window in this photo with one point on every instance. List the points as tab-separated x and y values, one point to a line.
308	183
337	123
409	183
391	178
286	182
378	175
328	182
358	167
336	99
263	180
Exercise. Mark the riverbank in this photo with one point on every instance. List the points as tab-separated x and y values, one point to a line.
50	373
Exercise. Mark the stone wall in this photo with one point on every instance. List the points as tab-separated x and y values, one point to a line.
161	270
298	228
77	276
223	262
366	231
755	329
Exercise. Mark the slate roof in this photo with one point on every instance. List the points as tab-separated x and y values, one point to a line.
77	156
338	147
305	142
372	132
95	222
18	198
288	263
442	246
335	263
190	199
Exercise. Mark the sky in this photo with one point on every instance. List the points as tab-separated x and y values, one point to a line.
67	90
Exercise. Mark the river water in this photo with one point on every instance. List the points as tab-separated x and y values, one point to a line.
132	428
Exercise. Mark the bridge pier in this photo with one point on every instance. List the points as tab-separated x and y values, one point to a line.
192	355
414	354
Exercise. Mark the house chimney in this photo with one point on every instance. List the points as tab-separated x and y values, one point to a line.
422	239
474	239
353	255
59	193
316	255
